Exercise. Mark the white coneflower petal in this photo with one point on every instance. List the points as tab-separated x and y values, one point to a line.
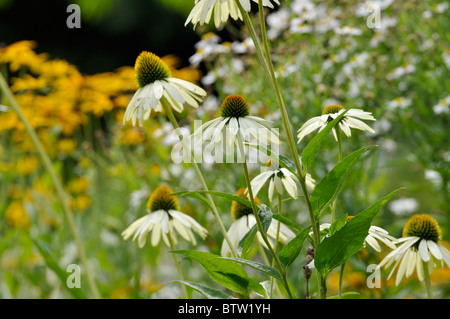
162	220
352	119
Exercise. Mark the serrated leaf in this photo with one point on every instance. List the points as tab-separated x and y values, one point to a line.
313	147
328	188
228	274
258	266
208	292
336	249
246	241
293	248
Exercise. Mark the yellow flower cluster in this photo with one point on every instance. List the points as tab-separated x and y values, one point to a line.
65	108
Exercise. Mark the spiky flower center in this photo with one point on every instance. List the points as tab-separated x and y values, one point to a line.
331	109
238	210
424	227
150	68
234	106
162	200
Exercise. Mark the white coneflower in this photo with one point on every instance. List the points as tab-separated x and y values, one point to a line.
163	218
223	9
280	178
419	248
236	123
329	113
155	82
375	234
244	220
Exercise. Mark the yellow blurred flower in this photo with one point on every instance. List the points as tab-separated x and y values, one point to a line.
16	216
28	82
21	54
26	165
78	185
67	146
80	202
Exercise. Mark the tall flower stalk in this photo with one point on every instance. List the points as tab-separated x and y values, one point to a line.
63	197
266	62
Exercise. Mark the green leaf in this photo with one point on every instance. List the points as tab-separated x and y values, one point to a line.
313	147
265	215
346	295
338	224
246	241
53	265
256	265
231	197
292	249
228	274
328	188
208	292
336	249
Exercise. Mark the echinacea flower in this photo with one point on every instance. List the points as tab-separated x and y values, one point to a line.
280	178
236	123
351	119
155	83
419	248
244	220
223	9
163	218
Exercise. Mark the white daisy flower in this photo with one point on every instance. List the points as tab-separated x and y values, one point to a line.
163	218
329	113
244	220
223	9
236	124
419	247
399	103
155	83
280	178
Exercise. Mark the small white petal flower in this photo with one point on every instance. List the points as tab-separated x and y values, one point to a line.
279	178
155	82
418	248
244	220
351	119
203	10
162	220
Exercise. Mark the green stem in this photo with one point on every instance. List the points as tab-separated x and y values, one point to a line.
177	264
426	274
277	237
339	141
258	220
63	197
341	276
175	125
270	73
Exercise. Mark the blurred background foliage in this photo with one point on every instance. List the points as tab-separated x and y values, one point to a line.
74	85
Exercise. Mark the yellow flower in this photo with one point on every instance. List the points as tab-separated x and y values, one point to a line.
26	165
78	185
80	202
21	54
28	82
16	216
67	146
